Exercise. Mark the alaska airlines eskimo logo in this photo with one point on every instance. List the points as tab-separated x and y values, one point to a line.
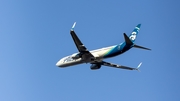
133	36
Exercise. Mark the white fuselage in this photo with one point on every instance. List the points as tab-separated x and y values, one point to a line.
95	57
98	54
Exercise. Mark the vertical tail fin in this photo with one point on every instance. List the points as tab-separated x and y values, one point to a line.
134	33
127	40
132	37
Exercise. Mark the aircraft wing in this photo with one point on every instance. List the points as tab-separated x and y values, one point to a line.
80	46
120	66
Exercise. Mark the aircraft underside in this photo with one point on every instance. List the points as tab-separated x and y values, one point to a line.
96	57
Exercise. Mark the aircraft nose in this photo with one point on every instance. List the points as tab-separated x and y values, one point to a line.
58	64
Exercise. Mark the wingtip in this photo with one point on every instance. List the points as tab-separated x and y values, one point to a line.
73	26
138	67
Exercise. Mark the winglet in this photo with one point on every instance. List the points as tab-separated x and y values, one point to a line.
138	67
73	26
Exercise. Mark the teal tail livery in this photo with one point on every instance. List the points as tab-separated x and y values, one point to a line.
96	57
132	38
134	33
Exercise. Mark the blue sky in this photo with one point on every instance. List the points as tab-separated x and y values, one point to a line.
34	35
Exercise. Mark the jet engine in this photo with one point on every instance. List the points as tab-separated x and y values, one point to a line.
95	66
75	56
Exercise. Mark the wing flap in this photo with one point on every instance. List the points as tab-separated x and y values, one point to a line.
119	66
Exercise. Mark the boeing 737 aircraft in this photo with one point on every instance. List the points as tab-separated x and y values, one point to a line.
96	57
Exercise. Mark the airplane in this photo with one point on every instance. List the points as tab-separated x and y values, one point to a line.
96	57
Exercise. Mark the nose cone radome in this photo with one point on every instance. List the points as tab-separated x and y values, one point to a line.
58	64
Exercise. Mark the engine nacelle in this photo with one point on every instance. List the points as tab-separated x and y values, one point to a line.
95	66
75	56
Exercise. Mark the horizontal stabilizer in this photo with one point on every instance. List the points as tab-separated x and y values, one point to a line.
127	40
137	46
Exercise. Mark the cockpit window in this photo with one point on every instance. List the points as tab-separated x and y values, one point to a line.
68	59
